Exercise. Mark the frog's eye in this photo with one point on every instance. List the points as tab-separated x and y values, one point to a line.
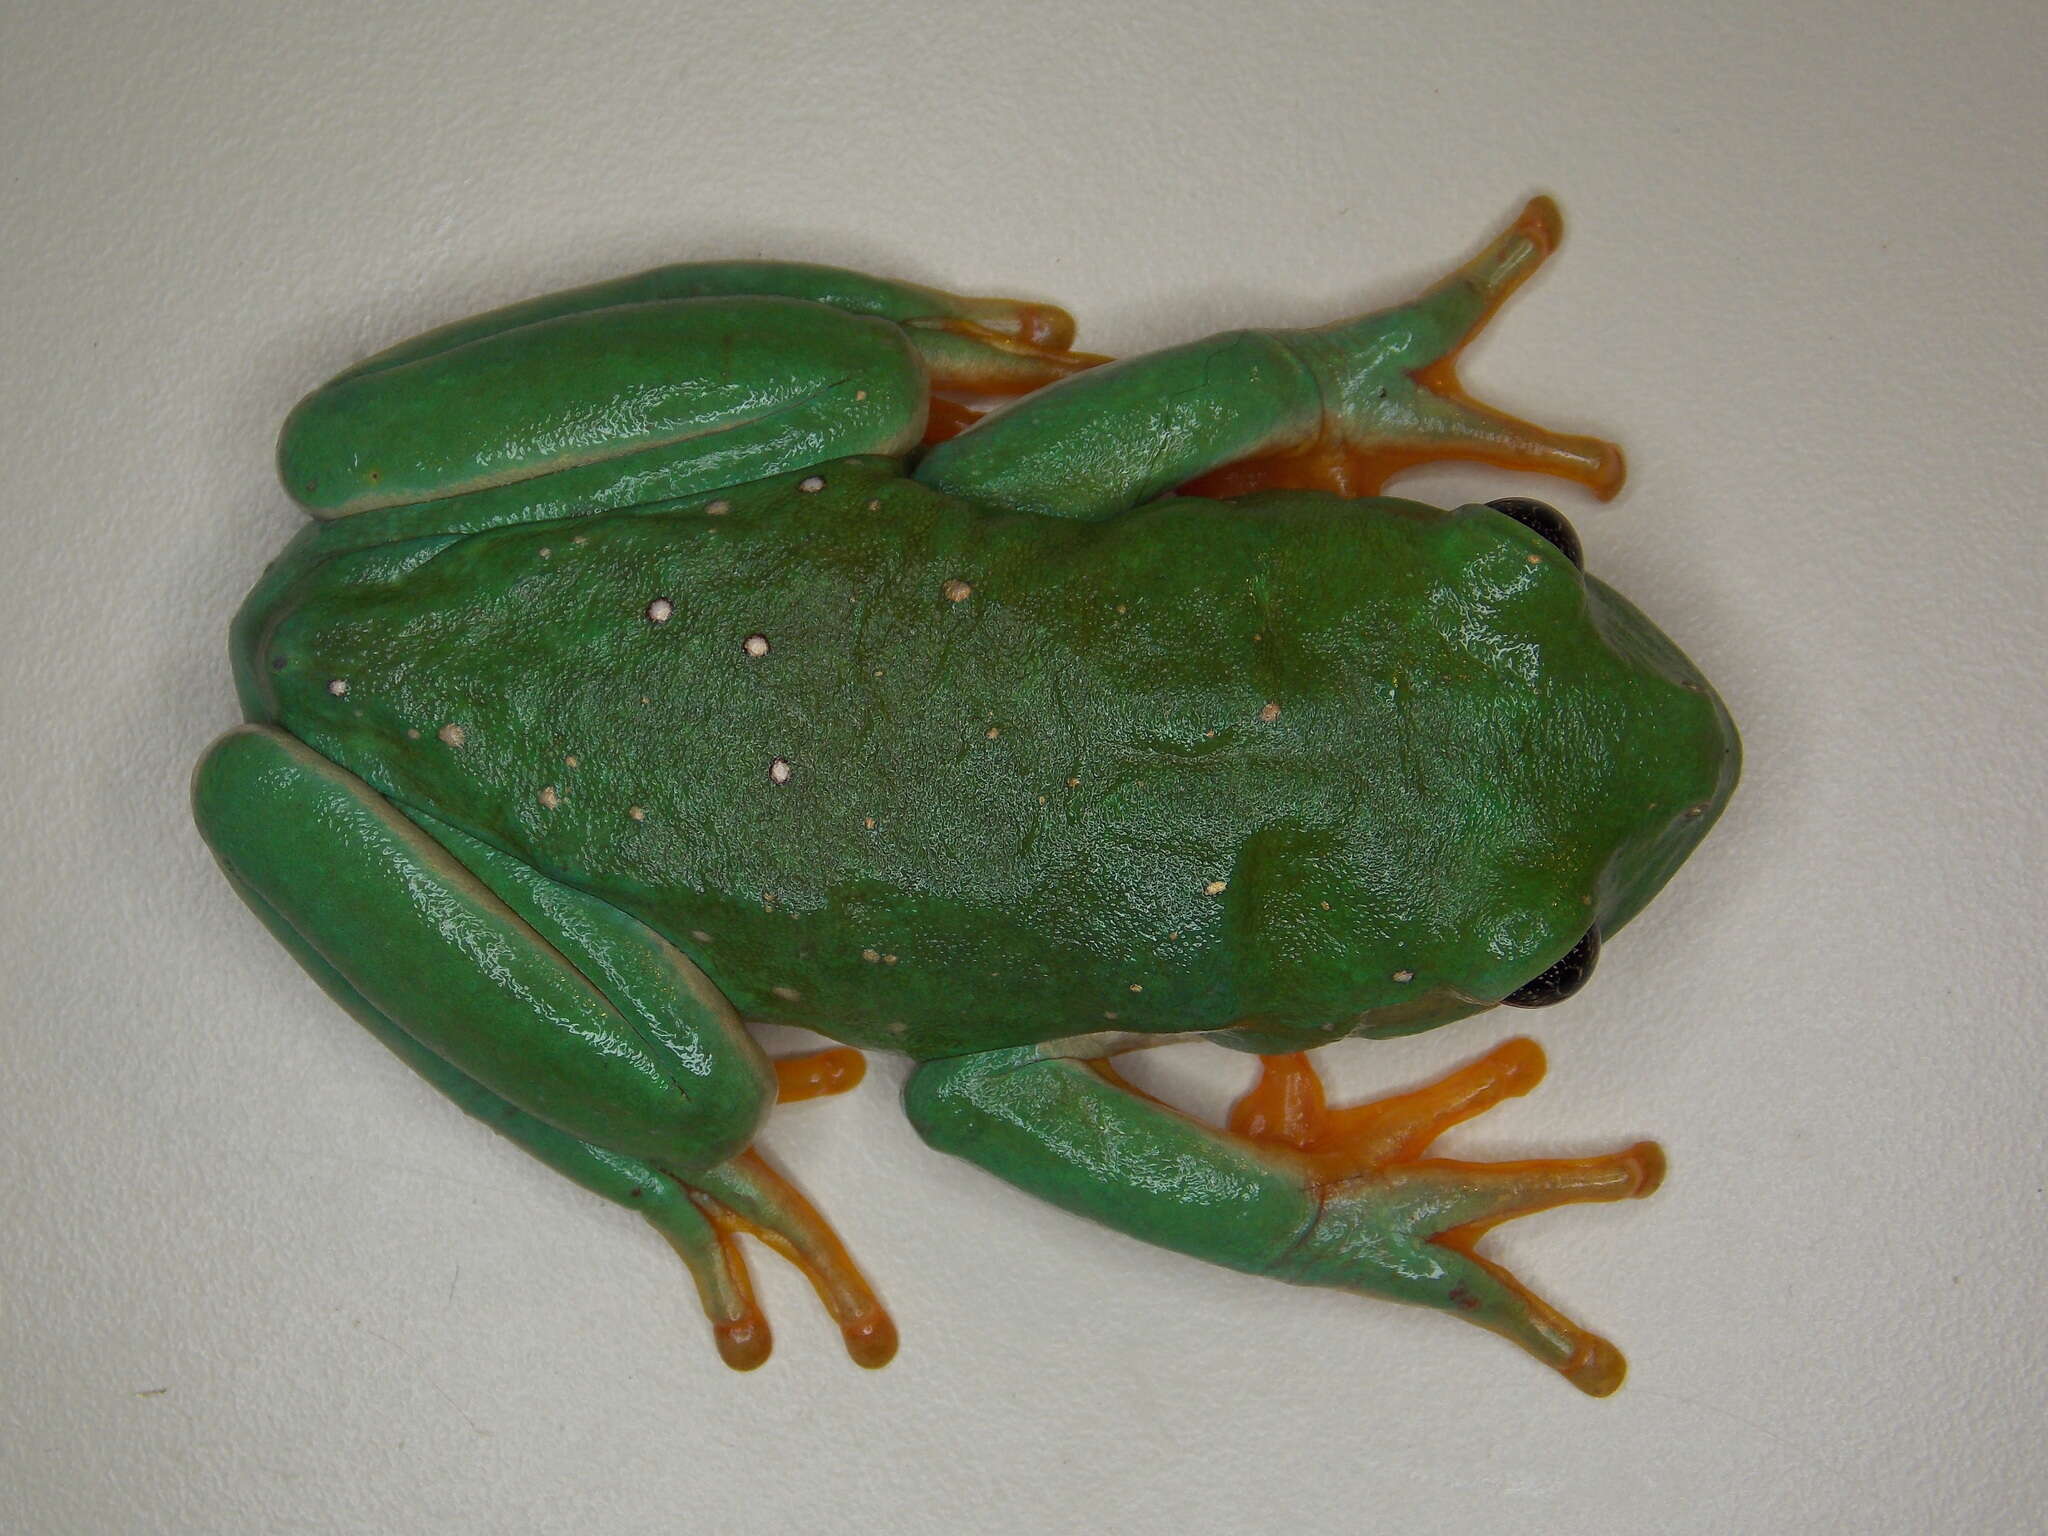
1562	979
1543	518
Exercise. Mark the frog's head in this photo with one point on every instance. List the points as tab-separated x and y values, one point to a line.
1583	759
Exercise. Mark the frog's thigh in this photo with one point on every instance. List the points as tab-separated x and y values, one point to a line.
566	1010
607	408
1028	325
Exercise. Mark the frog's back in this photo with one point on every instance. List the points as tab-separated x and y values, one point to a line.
917	775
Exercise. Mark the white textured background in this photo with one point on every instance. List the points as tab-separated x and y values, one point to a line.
254	1277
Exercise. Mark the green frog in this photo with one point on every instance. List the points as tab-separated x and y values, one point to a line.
760	642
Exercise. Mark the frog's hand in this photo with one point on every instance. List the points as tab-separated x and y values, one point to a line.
549	1015
1342	408
1343	1199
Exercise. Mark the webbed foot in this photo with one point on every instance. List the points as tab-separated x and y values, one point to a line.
818	1074
991	348
1393	1222
746	1195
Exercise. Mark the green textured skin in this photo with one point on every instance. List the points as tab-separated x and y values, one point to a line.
1442	791
632	684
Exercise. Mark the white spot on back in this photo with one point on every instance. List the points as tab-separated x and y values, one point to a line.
718	508
779	771
337	686
1215	887
756	645
957	591
660	611
787	994
1269	713
549	797
810	485
452	735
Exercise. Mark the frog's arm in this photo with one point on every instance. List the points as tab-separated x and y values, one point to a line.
1344	1199
551	1016
1341	408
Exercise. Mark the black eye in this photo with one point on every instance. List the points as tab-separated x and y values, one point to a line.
1545	519
1562	979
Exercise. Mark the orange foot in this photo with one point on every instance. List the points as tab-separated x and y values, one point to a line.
1419	413
1422	1216
818	1074
706	1211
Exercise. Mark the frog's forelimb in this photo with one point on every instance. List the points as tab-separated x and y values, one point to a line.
1341	1198
1341	407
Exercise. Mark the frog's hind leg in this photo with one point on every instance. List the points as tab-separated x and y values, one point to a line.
550	1015
1342	408
739	1329
818	1074
970	364
596	410
661	385
744	1194
1022	342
